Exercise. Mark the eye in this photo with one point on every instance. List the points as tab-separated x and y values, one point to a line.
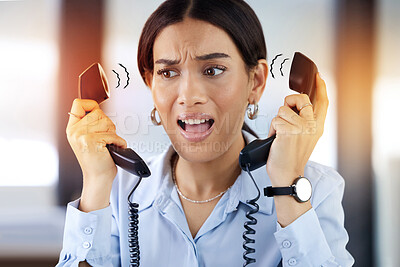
214	71
167	73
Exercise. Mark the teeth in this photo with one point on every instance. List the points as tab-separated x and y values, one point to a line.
195	121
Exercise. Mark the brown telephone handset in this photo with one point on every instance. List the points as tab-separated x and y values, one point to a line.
93	84
302	80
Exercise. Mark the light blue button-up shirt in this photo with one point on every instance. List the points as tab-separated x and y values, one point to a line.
317	238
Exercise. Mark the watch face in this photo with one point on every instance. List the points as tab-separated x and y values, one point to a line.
303	189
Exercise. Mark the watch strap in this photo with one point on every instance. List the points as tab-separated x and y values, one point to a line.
278	191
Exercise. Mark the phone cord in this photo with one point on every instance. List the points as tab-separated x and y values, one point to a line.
251	221
133	229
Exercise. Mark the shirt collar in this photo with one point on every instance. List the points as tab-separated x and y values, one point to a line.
158	188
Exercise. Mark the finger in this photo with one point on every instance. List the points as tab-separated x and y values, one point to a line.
79	109
102	139
288	114
282	127
321	99
302	103
93	117
114	139
104	125
272	130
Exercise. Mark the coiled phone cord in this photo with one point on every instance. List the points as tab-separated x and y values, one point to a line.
133	229
134	221
251	221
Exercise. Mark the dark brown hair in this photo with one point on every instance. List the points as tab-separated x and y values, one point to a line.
235	17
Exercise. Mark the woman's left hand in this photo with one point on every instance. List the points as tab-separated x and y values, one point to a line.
296	134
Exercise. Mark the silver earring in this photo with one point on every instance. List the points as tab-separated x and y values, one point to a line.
252	111
153	117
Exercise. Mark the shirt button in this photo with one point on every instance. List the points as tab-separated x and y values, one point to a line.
86	244
286	244
88	230
159	201
292	262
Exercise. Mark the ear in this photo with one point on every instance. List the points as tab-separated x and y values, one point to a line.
258	79
148	78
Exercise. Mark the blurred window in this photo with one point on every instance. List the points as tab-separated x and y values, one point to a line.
28	88
386	128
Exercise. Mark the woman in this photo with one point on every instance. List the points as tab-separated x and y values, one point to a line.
205	63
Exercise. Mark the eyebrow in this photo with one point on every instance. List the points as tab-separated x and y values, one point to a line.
169	62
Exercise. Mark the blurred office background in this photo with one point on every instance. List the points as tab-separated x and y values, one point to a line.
46	44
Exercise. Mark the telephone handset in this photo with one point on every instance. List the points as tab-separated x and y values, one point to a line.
302	80
93	84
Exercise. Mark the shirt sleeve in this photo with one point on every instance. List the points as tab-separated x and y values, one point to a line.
89	236
318	237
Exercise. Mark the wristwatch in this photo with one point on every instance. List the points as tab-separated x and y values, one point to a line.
301	190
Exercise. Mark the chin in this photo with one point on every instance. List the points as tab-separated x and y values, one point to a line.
203	151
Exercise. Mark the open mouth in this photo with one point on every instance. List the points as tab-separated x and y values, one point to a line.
196	125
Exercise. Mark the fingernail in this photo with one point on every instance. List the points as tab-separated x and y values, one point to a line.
320	76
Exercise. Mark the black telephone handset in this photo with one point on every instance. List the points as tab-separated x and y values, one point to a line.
93	84
302	80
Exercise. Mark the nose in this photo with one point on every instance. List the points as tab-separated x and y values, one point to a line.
191	91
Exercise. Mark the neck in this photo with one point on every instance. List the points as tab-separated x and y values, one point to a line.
202	180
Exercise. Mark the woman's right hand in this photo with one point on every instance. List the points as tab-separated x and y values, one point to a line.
88	137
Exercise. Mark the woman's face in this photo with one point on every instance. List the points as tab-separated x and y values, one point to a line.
200	88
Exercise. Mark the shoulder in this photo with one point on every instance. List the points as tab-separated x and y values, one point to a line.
325	181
